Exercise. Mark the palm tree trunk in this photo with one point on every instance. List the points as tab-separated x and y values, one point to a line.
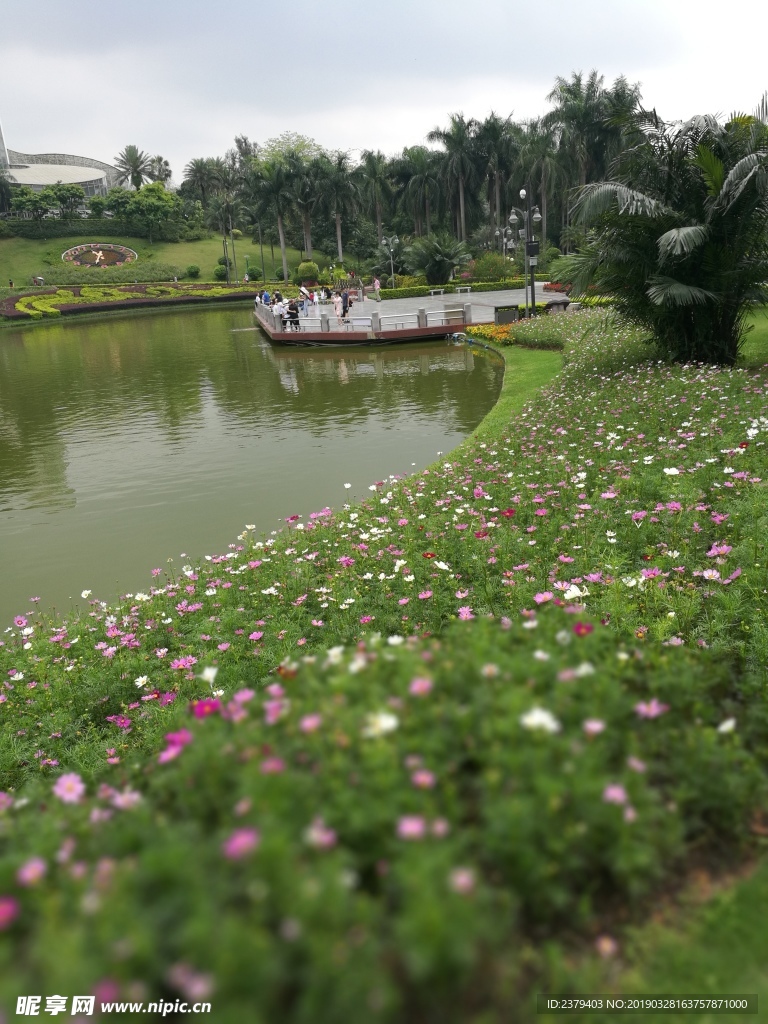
338	237
426	203
544	206
281	232
378	221
498	199
308	234
463	224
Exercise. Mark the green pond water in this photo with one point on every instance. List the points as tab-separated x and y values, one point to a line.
129	441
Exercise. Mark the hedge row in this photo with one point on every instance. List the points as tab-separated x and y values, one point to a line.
450	289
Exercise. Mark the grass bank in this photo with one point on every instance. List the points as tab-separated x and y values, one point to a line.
427	749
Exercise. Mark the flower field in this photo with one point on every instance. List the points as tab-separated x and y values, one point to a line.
388	764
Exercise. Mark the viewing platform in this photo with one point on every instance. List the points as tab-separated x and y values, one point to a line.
364	328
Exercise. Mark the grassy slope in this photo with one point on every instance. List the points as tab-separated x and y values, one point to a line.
23	258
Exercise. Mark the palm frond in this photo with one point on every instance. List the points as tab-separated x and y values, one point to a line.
681	241
711	167
666	291
601	196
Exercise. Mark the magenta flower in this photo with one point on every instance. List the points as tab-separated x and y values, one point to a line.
593	726
256	636
365	619
272	766
345	560
69	788
425	594
420	687
465	612
186	662
411	826
242	842
423	779
6	801
180	738
719	549
311	723
20	621
651	709
615	794
319	835
440	828
121	721
31	871
543	597
205	707
9	911
583	628
461	881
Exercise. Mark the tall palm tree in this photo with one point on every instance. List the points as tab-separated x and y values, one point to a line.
134	166
268	187
159	169
305	188
200	174
680	233
537	162
340	190
496	144
459	161
421	167
376	179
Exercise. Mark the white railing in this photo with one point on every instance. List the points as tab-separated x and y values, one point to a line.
441	317
399	321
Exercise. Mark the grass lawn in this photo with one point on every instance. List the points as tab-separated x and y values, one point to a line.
21	259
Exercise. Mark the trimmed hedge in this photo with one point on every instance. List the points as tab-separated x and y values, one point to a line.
449	289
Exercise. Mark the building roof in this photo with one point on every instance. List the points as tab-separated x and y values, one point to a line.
51	174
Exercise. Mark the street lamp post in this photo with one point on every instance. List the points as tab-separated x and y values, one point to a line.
390	243
531	216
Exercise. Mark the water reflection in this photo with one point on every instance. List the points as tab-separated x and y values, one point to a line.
122	440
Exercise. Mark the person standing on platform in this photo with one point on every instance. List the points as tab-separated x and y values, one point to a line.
377	288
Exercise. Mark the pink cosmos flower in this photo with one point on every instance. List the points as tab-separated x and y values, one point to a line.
440	828
543	597
593	726
402	522
719	549
541	512
319	835
651	709
6	801
69	788
461	881
615	794
9	911
411	826
205	707
465	612
461	594
404	600
423	779
256	636
583	628
311	723
20	621
31	871
420	687
636	764
223	647
126	800
425	594
606	946
345	560
365	619
242	842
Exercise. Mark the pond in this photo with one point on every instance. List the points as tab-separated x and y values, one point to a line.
128	441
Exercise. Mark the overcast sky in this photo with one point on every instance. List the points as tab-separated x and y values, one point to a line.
183	78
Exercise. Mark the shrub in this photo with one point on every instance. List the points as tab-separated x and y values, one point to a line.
307	271
492	266
144	270
237	233
193	270
220	272
223	261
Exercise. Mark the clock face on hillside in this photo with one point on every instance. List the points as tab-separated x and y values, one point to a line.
99	254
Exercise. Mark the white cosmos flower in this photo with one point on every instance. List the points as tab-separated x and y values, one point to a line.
141	680
442	565
541	720
727	726
379	723
208	674
672	471
86	593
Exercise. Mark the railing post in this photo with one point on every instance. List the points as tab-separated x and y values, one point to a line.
422	315
325	323
375	321
467	313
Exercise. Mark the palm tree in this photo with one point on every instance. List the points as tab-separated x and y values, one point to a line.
537	161
496	141
268	187
680	233
374	172
437	258
459	160
201	176
305	188
134	166
422	183
341	194
159	169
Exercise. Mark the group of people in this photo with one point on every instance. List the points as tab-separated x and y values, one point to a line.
290	311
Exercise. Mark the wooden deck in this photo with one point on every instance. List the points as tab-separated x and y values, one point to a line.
377	329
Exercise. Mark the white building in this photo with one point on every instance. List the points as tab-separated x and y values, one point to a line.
36	170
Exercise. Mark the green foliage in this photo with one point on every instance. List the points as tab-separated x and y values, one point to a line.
61	273
437	258
681	237
193	270
492	266
307	271
220	272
